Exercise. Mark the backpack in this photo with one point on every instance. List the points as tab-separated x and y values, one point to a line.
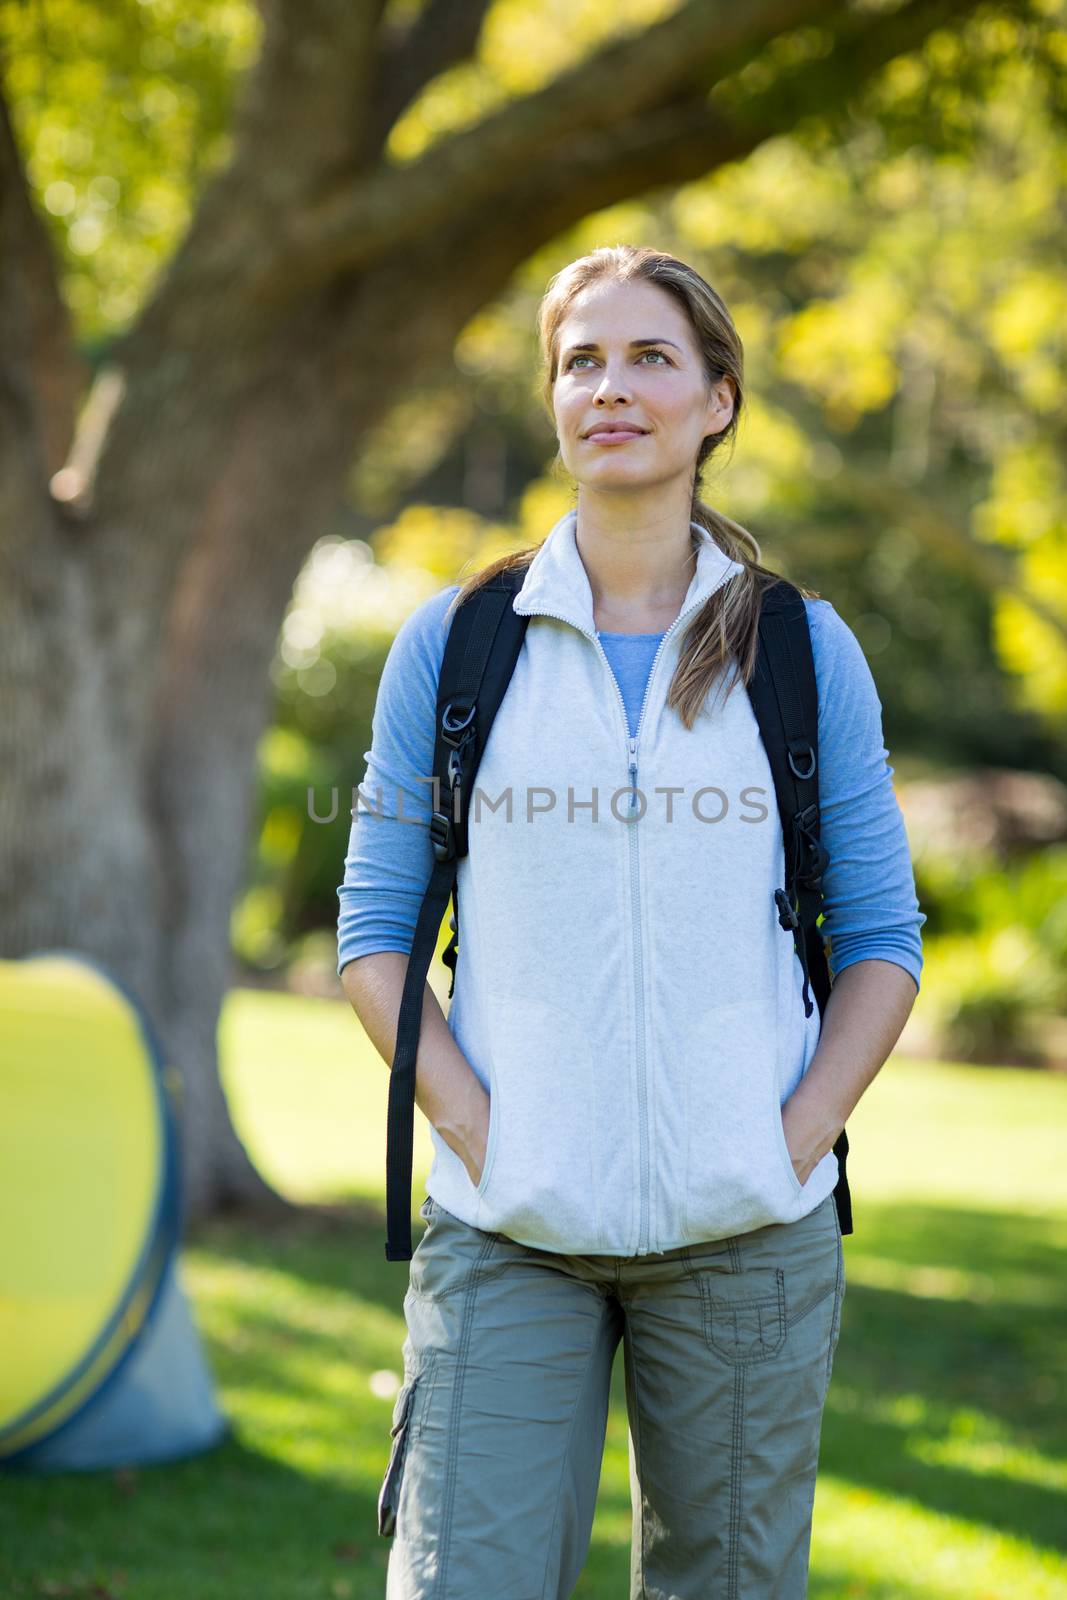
482	648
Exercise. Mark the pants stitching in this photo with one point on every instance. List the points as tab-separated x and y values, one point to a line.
810	1307
449	1490
733	1590
566	1453
837	1307
640	1507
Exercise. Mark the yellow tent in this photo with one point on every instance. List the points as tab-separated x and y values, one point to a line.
101	1363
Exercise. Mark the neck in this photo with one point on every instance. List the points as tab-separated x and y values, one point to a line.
639	568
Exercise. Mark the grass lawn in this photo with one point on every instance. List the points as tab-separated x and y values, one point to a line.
944	1447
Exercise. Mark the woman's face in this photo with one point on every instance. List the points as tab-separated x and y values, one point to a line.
640	368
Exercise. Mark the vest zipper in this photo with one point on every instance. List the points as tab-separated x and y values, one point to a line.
639	968
643	1242
644	1228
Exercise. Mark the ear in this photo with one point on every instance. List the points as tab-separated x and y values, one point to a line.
720	406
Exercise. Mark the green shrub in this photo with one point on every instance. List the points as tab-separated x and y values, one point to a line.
989	991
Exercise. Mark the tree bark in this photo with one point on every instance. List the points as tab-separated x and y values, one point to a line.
142	589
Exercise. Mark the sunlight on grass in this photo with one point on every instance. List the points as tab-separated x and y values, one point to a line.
304	1373
951	1283
868	1545
310	1094
987	1136
960	1437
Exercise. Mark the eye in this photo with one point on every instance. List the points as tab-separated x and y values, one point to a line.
651	351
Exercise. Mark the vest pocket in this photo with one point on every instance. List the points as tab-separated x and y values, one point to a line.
401	1430
491	1136
783	1146
738	1172
540	1176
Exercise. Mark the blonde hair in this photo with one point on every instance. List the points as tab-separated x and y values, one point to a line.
726	627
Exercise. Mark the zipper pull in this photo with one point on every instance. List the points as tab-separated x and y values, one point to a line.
633	774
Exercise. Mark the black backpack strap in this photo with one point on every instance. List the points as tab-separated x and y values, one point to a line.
784	696
482	647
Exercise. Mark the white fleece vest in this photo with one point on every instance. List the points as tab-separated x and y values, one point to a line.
624	989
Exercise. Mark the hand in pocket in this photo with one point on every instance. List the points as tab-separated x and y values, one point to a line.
468	1134
803	1165
477	1139
483	1140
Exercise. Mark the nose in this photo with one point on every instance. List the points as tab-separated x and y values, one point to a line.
611	386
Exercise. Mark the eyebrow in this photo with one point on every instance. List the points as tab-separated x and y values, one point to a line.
634	345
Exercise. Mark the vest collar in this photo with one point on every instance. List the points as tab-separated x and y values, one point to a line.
557	584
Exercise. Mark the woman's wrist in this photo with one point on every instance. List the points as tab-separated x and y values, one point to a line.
464	1127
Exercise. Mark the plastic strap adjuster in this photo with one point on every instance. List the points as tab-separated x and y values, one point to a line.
442	835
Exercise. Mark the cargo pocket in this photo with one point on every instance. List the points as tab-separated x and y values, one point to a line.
750	1327
404	1426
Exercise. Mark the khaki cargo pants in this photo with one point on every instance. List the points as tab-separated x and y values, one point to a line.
498	1430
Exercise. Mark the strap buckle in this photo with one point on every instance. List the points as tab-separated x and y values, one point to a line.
442	836
811	855
787	917
457	730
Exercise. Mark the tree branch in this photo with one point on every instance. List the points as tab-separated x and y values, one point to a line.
302	113
444	33
41	373
532	137
599	119
684	139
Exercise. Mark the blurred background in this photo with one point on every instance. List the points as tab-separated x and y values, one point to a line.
268	286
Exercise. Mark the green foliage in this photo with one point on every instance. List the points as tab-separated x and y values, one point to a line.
994	948
967	891
122	111
895	273
990	991
337	632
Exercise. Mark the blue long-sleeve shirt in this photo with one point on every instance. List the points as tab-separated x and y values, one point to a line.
870	906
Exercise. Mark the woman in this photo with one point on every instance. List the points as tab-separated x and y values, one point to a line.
632	1114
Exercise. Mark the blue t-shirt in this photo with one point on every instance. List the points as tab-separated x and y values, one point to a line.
870	908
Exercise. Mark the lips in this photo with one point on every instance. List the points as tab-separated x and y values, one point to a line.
619	432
